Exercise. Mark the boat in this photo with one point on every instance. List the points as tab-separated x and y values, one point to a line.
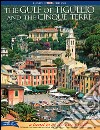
58	111
63	112
47	118
67	118
47	110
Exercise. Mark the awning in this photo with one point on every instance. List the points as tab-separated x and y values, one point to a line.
59	95
80	95
4	100
50	86
53	91
27	89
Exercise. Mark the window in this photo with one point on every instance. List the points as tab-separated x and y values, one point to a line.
90	78
50	71
73	42
54	71
46	82
86	90
42	77
42	82
72	50
3	92
16	92
46	71
34	83
86	84
26	76
87	78
34	77
43	71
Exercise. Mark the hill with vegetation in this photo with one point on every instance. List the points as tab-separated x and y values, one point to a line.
88	30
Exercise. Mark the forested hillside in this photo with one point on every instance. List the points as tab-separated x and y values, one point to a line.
85	29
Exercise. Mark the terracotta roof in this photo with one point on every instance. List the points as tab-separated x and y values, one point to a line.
45	30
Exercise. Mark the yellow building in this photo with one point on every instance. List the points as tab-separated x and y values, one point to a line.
4	76
8	75
88	79
38	34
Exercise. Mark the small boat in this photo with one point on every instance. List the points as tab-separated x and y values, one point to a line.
67	118
47	110
63	112
58	111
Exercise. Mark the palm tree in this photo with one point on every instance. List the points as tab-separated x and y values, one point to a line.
59	62
68	53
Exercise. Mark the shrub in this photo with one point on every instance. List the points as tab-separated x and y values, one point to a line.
67	91
42	87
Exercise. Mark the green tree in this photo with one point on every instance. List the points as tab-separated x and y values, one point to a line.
29	113
96	48
68	53
6	60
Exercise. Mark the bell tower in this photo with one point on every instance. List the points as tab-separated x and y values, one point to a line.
70	42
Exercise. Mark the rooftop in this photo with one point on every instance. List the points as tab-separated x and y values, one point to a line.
93	69
11	86
45	30
33	72
46	52
7	67
44	63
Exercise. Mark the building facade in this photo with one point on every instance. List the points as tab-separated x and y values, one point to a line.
88	79
13	93
38	34
4	52
70	43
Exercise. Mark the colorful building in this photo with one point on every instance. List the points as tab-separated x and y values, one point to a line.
13	93
89	78
28	77
4	52
12	74
5	77
38	34
48	73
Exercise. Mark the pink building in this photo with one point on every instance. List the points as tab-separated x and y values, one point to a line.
13	93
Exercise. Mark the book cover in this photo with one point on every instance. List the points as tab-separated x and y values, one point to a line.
50	65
